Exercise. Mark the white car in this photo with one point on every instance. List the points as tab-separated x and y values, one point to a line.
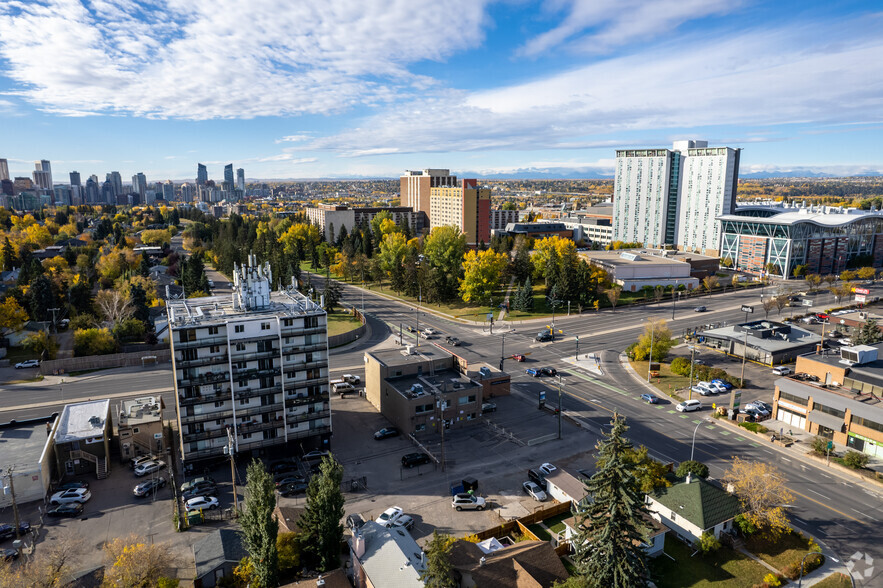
403	522
702	390
78	495
688	406
351	379
201	503
845	342
468	502
781	371
429	331
547	468
149	467
28	363
535	491
388	517
758	408
719	388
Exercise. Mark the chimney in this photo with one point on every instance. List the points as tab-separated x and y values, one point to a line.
731	488
689	477
320	581
359	544
482	561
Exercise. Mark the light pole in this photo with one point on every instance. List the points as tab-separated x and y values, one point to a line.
559	406
231	451
693	444
692	353
10	472
674	295
650	359
800	578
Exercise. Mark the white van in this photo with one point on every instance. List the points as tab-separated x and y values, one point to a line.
688	406
781	371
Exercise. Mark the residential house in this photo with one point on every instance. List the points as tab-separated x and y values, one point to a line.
333	579
694	506
526	564
216	556
565	487
654	534
26	458
288	517
384	558
82	439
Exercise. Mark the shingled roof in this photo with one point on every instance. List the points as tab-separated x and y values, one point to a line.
527	564
699	501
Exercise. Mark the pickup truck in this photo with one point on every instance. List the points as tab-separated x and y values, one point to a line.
351	379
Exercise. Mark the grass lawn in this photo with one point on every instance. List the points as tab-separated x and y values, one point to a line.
724	569
667	382
834	581
341	322
788	549
540	532
17	354
556	523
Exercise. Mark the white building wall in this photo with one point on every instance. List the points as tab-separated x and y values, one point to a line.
706	191
640	197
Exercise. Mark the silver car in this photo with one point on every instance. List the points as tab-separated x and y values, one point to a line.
467	502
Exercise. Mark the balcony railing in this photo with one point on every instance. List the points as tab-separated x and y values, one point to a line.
201	342
252	373
296	384
202	379
307	416
206	434
201	398
244	428
253	410
308	433
292	349
207	416
254	355
297	331
302	400
201	361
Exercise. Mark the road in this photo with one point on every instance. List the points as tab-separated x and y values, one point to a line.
842	514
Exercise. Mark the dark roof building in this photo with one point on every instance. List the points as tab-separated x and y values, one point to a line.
527	564
694	506
216	556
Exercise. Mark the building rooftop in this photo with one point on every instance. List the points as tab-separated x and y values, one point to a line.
391	556
440	382
570	484
394	357
219	547
527	564
535	227
633	257
23	443
137	411
828	216
766	335
83	420
699	501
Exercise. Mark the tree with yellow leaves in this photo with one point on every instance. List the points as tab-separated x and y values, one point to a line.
12	316
764	495
482	271
135	563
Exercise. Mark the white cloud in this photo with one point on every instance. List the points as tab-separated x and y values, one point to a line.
201	59
294	138
758	78
287	157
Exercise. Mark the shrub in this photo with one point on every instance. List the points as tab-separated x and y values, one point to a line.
697	468
746	527
680	366
93	342
813	562
708	543
855	459
83	321
754	427
772	580
819	445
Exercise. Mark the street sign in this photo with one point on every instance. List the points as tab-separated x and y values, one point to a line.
864	291
807	302
490	316
860	298
746	308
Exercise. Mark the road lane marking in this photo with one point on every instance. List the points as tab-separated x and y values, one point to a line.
819	493
864	515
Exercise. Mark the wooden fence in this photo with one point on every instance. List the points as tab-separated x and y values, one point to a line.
97	362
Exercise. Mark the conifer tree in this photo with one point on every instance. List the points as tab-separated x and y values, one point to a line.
608	546
320	522
259	525
523	299
438	572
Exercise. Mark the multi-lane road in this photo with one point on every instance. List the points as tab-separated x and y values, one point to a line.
844	515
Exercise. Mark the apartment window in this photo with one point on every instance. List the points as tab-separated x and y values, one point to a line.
213	330
219	403
246	435
311	322
215	349
828	410
243	401
239	329
220	421
243	383
240	365
186	335
287	323
265	326
419	428
136	430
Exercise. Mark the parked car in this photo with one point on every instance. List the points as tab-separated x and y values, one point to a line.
136	461
533	372
316	455
845	342
822	316
535	491
354	521
404	522
548	371
288	479
386	433
187	485
727	386
9	554
760	409
452	341
835	334
781	371
810	320
293	488
28	363
284	468
148	486
201	503
202	489
351	379
149	467
488	407
72	485
718	388
7	531
689	406
537	478
519	357
544	336
415	459
701	390
765	405
547	468
700	309
698	362
650	398
73	509
389	516
467	502
79	495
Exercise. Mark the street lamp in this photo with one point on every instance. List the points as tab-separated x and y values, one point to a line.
693	444
650	358
559	406
800	578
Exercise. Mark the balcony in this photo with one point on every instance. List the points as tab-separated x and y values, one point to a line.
243	428
202	379
252	392
201	398
307	416
203	342
290	384
309	433
207	416
298	331
254	373
291	349
253	410
201	361
206	434
302	400
254	355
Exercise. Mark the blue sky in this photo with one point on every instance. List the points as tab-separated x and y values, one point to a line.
355	88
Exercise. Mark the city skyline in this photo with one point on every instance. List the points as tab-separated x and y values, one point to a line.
485	89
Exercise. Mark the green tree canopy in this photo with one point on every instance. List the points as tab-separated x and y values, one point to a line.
439	572
259	525
320	521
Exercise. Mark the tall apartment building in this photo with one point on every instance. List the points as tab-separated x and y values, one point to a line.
201	174
466	207
4	170
327	216
416	187
75	178
139	185
168	190
116	180
240	180
255	364
228	178
671	197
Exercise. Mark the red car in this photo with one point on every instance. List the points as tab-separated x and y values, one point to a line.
821	316
518	357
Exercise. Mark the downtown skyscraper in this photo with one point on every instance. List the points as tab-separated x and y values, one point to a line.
228	178
201	174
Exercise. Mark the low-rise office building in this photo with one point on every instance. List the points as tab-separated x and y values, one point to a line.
81	439
140	427
845	404
766	342
538	230
634	269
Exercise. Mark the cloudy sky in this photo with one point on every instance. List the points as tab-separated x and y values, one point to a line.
355	88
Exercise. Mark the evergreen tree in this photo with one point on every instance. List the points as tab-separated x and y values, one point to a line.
406	228
868	333
367	242
522	266
42	298
320	521
259	525
439	572
10	259
174	218
332	293
144	268
342	236
30	269
608	551
523	299
138	300
81	298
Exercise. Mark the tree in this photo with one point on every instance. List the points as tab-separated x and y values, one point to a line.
772	268
610	528
868	333
866	273
439	572
320	521
613	294
481	275
658	293
763	493
710	283
697	468
40	343
42	298
134	563
332	293
847	276
53	566
259	526
522	266
138	300
93	342
443	250
657	332
768	304
12	316
781	301
649	473
813	281
523	299
288	547
799	271
113	306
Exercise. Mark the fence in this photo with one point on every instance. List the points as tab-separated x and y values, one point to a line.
96	362
522	523
349	336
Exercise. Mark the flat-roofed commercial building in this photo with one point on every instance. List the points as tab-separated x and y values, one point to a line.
254	363
766	342
837	396
466	207
635	269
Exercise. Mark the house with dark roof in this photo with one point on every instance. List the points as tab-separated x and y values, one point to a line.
216	556
526	564
694	506
288	517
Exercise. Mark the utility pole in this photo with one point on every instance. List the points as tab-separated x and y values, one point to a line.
650	359
502	350
674	291
16	521
576	357
744	354
53	311
692	353
231	451
559	406
442	424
